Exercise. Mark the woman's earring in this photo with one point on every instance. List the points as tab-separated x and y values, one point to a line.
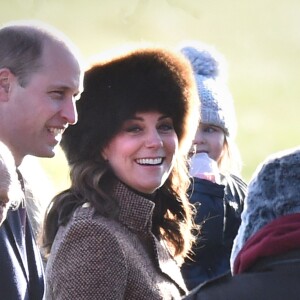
104	156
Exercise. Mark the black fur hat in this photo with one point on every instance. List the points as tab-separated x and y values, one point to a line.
147	79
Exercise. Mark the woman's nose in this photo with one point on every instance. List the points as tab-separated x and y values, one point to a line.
153	139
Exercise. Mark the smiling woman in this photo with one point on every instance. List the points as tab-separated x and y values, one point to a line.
124	225
143	153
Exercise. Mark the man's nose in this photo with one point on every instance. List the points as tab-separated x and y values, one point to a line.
69	112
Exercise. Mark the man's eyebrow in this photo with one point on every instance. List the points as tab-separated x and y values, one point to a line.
64	87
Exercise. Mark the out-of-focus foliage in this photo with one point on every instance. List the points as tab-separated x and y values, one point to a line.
259	38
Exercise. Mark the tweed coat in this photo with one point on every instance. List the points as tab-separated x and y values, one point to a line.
94	257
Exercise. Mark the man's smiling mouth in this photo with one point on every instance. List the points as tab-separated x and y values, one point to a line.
56	131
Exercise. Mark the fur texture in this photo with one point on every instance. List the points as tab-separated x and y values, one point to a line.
141	80
274	191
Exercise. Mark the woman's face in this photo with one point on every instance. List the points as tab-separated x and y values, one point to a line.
143	152
210	139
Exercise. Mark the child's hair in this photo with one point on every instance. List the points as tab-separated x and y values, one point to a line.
230	162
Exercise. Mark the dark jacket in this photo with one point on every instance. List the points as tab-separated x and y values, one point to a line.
94	257
278	280
219	208
267	266
21	268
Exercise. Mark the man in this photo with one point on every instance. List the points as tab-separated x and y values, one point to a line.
40	79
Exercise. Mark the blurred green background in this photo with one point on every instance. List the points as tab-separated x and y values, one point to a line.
259	38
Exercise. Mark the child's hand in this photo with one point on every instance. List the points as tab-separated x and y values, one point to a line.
202	166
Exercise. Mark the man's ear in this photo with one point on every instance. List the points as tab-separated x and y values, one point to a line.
5	81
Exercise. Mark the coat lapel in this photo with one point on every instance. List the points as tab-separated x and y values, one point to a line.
17	238
168	265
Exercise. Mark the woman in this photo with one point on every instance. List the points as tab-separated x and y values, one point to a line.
124	226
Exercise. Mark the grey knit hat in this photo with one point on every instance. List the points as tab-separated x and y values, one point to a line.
210	72
274	191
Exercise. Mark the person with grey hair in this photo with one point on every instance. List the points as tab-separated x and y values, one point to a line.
10	188
40	79
265	259
217	189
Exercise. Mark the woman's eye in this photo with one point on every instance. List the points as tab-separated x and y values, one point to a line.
166	127
133	129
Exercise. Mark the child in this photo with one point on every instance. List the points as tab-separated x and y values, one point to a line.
265	258
217	190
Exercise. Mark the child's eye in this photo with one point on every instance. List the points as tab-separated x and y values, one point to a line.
210	129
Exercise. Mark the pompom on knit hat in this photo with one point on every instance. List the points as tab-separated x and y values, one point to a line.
210	71
139	79
273	192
